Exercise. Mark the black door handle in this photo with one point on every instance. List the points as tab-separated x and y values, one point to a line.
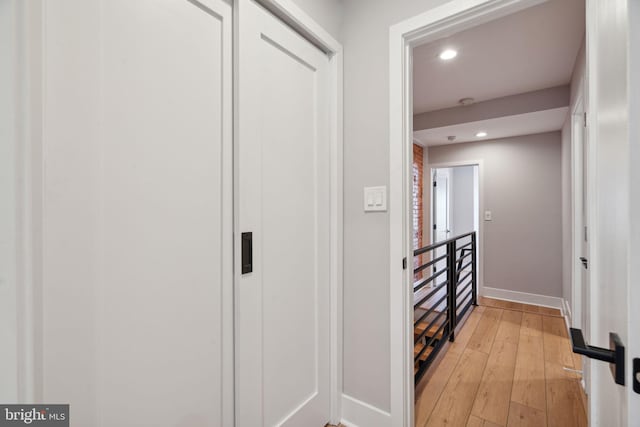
247	252
585	262
614	354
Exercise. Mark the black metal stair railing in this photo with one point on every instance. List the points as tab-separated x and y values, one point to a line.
443	298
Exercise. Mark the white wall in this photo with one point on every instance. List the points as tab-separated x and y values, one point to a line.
366	236
522	245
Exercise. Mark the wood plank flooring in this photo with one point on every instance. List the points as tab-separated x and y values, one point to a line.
504	369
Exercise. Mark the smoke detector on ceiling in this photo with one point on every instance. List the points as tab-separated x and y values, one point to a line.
466	101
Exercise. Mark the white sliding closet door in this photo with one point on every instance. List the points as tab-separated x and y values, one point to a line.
283	193
138	222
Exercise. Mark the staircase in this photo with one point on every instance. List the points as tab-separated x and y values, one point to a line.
443	298
420	339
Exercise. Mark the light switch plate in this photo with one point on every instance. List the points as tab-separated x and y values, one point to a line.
488	216
375	199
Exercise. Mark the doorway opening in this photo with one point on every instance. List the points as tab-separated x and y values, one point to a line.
451	96
455	201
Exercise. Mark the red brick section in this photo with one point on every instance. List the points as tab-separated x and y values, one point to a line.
418	213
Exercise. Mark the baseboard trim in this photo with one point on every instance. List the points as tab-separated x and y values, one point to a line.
356	413
524	297
566	311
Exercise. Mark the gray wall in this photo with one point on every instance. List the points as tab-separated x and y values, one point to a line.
520	185
327	13
365	36
539	100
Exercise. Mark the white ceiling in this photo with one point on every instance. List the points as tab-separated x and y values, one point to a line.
502	127
529	50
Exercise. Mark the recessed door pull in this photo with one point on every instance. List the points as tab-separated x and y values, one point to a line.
614	354
247	252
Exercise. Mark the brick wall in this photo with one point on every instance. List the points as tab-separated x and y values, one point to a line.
418	211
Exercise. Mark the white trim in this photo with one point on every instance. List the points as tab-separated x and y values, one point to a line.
576	119
296	18
438	22
356	413
29	169
590	105
524	297
566	312
227	313
337	224
566	315
289	12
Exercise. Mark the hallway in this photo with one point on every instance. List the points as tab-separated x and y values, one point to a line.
504	369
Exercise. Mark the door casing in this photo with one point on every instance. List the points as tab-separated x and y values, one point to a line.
579	313
436	23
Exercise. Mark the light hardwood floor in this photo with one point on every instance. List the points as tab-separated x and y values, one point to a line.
505	368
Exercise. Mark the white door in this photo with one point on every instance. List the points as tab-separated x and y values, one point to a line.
167	211
441	219
441	205
282	293
614	212
137	306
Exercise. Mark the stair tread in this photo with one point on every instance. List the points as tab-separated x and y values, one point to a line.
420	327
418	348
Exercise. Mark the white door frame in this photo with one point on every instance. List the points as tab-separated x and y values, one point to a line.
634	255
577	227
480	241
449	18
579	317
297	19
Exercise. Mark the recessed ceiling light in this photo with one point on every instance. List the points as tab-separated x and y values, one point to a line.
448	54
481	134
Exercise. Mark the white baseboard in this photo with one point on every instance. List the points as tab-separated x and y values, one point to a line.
566	311
356	413
524	297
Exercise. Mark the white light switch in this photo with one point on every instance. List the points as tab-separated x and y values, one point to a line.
487	216
375	199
